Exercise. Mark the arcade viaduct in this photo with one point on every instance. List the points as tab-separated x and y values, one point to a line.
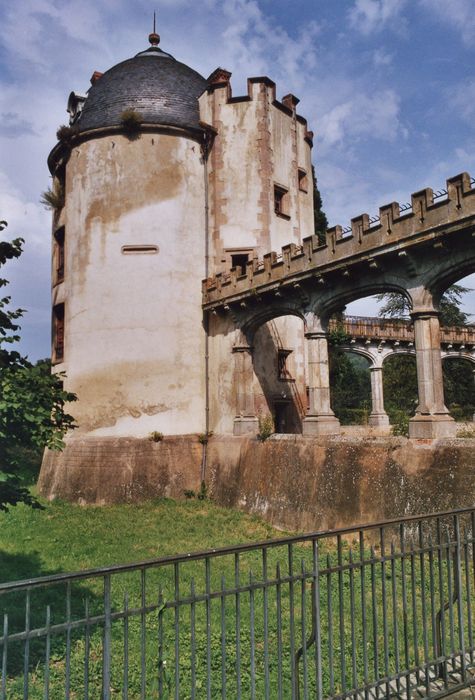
376	339
418	250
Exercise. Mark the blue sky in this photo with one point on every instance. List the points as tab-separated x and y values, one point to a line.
387	86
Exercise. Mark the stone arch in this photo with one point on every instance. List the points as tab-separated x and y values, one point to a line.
441	279
280	370
333	302
251	321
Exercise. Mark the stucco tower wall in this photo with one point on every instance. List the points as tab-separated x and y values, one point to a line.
134	340
260	143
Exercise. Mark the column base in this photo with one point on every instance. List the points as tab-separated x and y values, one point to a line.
432	427
321	425
379	420
245	425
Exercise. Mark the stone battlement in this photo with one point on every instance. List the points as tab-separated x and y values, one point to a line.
220	80
397	228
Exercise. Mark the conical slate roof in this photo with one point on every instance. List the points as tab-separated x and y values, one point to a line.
154	84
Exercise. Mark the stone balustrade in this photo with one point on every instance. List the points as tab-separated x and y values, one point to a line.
398	330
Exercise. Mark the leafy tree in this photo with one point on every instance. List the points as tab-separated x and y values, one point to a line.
32	400
319	216
397	306
400	385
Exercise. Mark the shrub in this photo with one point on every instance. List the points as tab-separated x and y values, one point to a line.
203	492
65	134
53	197
156	436
266	427
203	438
399	422
131	121
353	416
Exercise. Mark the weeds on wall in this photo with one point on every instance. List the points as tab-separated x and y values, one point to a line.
265	426
155	436
203	438
202	494
53	197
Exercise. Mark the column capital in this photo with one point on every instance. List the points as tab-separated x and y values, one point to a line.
311	335
422	314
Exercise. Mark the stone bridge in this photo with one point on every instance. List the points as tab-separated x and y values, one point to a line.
418	250
376	339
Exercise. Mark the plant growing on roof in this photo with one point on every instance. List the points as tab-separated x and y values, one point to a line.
130	121
65	134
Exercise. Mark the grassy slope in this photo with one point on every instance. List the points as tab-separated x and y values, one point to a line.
64	537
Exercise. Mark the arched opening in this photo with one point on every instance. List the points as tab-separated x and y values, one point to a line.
279	362
350	385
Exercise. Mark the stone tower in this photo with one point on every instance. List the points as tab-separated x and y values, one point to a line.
167	178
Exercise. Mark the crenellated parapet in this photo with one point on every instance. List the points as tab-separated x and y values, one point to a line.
430	219
259	169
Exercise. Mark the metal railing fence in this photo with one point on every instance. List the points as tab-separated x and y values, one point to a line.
382	610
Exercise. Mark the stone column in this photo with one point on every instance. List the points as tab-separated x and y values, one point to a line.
378	416
246	419
432	419
320	419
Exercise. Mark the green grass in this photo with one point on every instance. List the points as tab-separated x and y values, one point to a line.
64	537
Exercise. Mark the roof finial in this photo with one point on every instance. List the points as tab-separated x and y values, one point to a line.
154	38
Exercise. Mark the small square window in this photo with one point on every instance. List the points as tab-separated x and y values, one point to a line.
303	180
281	201
239	261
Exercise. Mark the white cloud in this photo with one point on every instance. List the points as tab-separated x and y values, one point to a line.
369	16
382	58
463	98
362	116
459	14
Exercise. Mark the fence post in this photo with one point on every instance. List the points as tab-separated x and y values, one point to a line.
106	644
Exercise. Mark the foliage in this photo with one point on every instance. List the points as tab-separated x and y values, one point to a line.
397	306
459	387
400	385
266	427
203	492
155	436
53	197
350	385
203	438
32	401
399	422
131	120
338	336
319	216
354	416
66	134
466	433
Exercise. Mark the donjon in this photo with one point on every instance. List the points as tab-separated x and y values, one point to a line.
167	179
172	317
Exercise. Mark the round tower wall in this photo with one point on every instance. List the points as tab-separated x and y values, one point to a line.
134	249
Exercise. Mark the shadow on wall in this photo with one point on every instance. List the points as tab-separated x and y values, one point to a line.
281	393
